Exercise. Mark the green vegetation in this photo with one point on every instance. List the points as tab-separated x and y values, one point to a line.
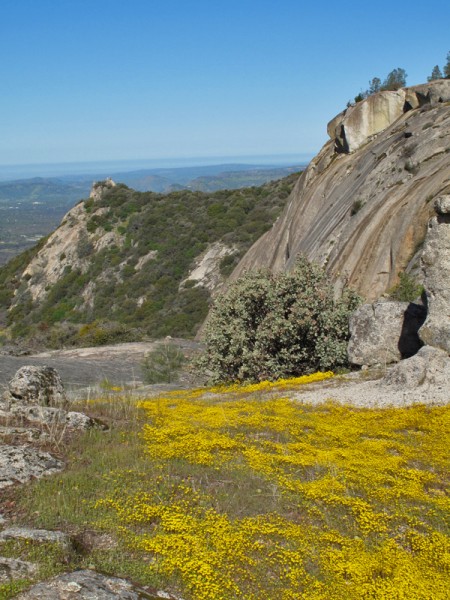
407	289
163	364
395	80
134	284
242	493
436	73
268	326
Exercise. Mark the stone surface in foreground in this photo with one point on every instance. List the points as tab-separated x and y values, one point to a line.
85	585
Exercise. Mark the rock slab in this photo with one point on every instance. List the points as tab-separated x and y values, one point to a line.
19	464
12	568
84	585
384	332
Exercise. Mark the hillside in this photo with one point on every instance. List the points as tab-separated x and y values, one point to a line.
124	264
361	207
32	208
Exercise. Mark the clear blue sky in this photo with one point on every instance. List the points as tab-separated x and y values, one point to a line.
97	80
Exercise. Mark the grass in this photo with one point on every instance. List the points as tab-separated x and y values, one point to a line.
241	493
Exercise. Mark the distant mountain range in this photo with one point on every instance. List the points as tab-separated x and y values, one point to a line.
32	208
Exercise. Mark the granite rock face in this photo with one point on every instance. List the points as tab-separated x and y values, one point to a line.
363	215
384	332
357	124
436	266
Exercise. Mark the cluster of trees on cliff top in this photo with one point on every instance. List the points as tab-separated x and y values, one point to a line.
396	79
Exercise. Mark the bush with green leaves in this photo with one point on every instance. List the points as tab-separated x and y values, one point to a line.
163	364
267	326
407	289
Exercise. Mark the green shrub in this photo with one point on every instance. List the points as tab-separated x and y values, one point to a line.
268	326
163	364
407	289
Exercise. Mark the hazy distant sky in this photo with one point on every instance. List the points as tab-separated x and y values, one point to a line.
127	79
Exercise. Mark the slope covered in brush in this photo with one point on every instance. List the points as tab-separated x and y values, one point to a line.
124	264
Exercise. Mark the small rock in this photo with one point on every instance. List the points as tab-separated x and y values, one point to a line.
12	568
47	415
22	434
442	205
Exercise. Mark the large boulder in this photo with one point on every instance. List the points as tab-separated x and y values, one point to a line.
430	367
384	332
436	266
38	386
353	128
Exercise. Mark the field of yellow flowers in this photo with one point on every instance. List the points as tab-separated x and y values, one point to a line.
239	493
267	498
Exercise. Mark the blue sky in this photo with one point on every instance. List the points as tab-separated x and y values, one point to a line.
91	80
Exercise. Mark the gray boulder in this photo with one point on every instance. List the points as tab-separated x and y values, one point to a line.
384	332
49	416
430	367
85	585
436	266
19	464
37	385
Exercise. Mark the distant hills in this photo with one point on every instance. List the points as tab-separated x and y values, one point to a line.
124	264
32	208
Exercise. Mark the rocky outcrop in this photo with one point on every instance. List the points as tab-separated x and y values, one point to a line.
363	215
19	464
430	367
206	271
384	332
42	536
436	265
37	385
353	127
100	187
37	395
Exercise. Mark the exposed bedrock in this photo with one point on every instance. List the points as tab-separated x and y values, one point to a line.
363	215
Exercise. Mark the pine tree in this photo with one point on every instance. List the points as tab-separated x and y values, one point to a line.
395	80
435	74
447	67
